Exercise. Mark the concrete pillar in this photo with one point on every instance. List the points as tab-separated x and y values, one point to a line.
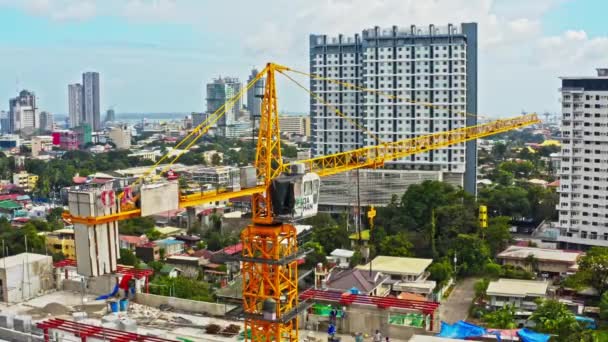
191	214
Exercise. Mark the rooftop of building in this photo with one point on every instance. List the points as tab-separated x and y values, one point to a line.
541	254
169	230
342	253
398	265
168	242
345	280
517	288
9	205
22	258
365	235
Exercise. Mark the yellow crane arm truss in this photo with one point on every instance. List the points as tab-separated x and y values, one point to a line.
366	157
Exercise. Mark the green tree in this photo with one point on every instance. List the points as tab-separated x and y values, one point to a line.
604	306
182	287
499	151
216	159
593	268
503	318
127	257
316	254
357	259
480	287
554	317
497	234
492	270
441	272
330	235
153	234
395	245
472	254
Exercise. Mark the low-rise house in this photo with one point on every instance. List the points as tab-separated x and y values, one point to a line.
170	271
551	261
362	237
148	252
521	294
341	257
10	209
189	240
131	242
169	231
170	246
357	281
189	266
61	241
406	274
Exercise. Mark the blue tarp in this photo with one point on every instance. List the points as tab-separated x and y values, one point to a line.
527	335
460	330
587	322
111	294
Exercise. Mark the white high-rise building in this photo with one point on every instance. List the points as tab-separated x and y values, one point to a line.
583	201
412	65
254	95
75	105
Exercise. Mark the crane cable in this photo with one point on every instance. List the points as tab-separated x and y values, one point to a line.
336	110
229	104
201	129
385	94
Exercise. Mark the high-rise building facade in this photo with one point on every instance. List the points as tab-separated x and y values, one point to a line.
75	104
254	95
110	115
23	114
4	122
583	174
90	100
414	66
46	121
219	92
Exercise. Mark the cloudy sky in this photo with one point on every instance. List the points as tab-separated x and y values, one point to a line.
156	55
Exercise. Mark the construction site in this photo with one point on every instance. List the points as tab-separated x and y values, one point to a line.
94	298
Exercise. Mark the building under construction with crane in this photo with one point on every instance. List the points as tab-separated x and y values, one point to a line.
282	193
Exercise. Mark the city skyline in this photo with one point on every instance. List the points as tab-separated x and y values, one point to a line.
182	52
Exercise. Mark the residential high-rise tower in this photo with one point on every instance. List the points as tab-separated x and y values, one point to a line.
75	104
413	65
583	174
90	100
254	95
220	91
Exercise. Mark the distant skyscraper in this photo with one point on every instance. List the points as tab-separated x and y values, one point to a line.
219	92
22	112
254	100
198	118
4	122
110	115
46	121
90	88
75	104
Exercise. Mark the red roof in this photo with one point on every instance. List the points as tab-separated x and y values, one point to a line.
134	240
205	253
234	249
79	179
554	184
9	197
21	219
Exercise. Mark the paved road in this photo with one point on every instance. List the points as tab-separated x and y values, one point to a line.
456	307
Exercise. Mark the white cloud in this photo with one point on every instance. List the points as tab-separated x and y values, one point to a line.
515	57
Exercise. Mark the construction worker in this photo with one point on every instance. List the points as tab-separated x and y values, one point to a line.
377	336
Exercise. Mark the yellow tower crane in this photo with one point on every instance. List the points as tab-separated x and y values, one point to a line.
289	191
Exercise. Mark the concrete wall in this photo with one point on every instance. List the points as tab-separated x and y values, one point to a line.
95	286
17	336
25	281
187	305
366	319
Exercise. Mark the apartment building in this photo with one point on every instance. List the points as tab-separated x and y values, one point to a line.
583	209
413	66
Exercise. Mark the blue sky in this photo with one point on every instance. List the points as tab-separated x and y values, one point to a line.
156	55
